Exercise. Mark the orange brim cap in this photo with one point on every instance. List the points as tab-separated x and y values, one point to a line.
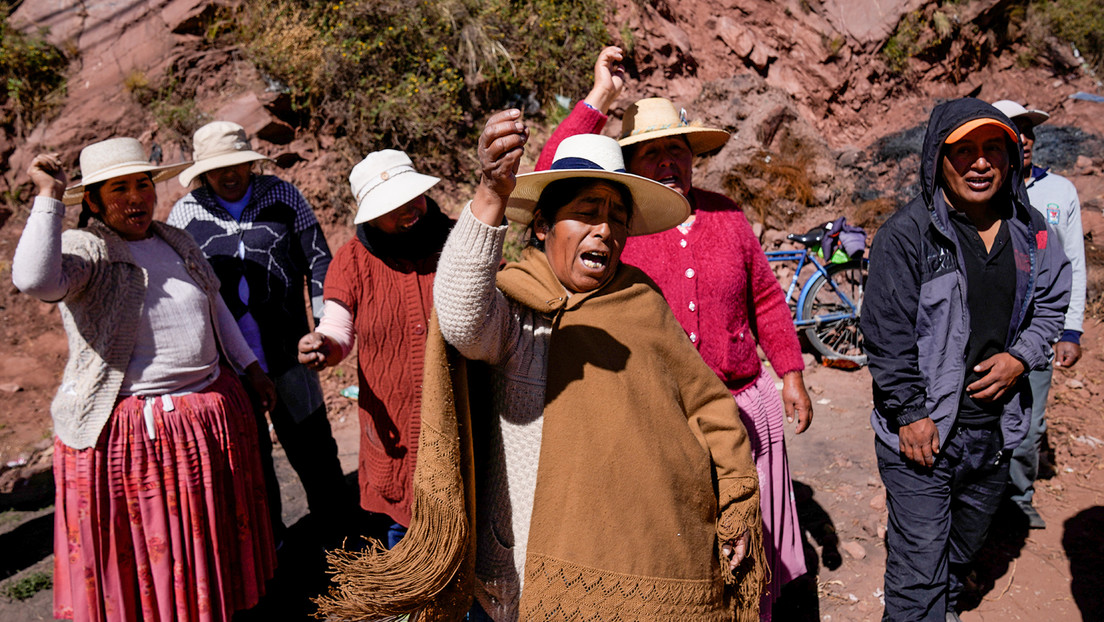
973	124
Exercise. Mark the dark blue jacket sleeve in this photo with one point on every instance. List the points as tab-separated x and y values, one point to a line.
888	321
1049	303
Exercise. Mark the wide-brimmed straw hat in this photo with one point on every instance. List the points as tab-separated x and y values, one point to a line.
656	117
116	157
217	145
655	206
385	181
1012	110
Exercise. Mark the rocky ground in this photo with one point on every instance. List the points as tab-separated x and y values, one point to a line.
1052	574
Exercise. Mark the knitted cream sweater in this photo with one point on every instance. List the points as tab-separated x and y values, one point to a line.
482	324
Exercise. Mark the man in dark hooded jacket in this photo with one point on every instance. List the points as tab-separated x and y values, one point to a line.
964	297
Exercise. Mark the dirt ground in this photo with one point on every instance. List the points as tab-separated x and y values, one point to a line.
1052	574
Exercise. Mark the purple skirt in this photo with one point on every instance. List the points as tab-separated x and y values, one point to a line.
763	414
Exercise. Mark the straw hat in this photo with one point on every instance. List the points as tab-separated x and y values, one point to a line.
385	181
656	117
116	157
1012	110
217	145
655	206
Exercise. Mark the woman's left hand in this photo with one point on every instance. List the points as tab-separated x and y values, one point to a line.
261	385
796	400
736	550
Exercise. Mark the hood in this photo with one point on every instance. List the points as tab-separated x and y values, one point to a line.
952	114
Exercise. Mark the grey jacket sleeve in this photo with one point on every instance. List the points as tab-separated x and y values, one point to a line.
888	322
1049	302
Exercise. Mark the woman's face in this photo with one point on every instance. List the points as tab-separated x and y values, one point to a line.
230	182
584	243
126	205
402	219
668	160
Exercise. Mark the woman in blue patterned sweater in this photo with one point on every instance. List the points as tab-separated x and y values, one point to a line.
264	242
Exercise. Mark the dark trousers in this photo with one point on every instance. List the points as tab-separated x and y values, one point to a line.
938	519
312	452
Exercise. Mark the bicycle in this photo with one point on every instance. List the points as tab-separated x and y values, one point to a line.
827	306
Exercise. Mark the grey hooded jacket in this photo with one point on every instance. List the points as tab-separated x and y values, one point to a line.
915	320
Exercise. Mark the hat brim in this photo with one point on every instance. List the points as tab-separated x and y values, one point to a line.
393	194
655	206
220	161
961	131
1034	117
701	139
75	194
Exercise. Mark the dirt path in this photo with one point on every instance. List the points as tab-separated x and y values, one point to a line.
1053	574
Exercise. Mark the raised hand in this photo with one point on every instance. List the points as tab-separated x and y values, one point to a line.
500	149
609	79
48	177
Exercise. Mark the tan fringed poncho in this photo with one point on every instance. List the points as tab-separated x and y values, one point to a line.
644	470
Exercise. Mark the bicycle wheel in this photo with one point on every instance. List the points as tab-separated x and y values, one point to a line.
834	332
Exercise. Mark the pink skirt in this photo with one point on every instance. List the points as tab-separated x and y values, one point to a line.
763	414
170	528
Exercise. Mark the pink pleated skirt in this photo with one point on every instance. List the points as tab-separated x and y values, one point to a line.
170	528
763	413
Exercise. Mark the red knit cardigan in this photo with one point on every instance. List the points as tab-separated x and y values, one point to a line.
715	277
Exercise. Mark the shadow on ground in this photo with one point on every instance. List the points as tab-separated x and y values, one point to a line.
799	601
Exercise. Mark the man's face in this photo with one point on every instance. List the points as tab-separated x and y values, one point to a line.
975	167
1027	137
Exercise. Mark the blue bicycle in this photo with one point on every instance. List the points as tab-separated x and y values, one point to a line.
826	307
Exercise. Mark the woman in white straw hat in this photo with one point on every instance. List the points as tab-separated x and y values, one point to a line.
379	293
715	276
160	511
264	242
590	465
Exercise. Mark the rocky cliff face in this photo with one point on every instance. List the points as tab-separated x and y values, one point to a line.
806	81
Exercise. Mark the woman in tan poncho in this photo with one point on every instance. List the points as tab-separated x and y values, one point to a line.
603	465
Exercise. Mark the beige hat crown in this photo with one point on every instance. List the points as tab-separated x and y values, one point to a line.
1013	109
217	145
655	206
656	117
385	181
116	157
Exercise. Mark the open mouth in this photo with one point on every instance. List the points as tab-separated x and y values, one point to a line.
595	260
980	184
670	181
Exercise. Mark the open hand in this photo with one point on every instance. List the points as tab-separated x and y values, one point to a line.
1000	372
47	175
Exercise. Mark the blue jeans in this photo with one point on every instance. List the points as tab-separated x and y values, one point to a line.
395	533
1025	460
938	519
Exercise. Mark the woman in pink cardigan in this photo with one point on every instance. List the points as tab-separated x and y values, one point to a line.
715	277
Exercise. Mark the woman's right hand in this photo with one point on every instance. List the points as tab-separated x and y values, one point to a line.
314	350
47	174
609	79
500	149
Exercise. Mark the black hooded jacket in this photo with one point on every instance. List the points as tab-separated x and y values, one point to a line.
915	319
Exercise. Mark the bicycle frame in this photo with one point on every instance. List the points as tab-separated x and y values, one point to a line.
803	257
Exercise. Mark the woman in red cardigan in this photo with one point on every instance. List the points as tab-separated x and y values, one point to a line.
716	279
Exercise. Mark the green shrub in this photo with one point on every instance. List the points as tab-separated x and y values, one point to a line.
32	73
29	585
1080	22
420	75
